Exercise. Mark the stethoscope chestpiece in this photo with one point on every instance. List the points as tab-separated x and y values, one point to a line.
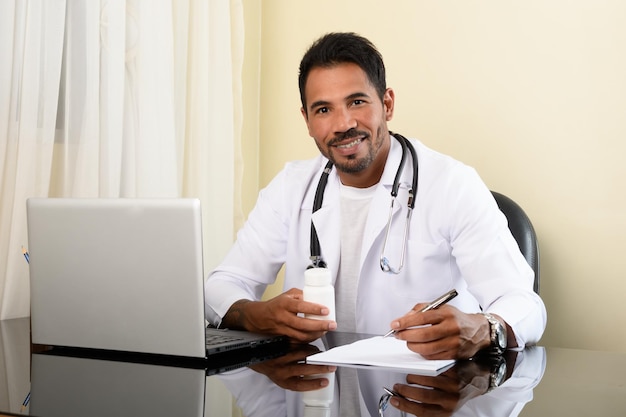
317	262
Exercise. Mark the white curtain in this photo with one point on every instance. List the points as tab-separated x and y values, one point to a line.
117	98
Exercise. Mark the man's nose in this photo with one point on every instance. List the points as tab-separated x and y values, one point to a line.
344	120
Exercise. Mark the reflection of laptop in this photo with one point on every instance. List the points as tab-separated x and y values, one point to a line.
123	275
68	386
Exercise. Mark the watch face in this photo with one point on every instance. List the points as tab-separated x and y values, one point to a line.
498	375
501	338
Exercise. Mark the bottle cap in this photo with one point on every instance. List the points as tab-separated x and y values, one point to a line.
317	277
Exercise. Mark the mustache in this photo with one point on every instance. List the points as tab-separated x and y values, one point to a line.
348	134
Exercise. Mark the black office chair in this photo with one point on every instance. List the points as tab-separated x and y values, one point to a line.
522	230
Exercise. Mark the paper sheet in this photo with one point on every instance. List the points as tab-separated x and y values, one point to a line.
377	351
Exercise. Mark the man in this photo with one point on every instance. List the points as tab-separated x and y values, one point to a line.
457	236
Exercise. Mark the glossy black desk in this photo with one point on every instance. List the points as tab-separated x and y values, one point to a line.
541	382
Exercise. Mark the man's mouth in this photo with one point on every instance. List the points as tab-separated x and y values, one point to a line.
350	144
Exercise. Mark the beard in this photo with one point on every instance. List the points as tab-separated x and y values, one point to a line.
354	164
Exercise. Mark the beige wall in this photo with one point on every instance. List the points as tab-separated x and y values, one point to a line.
532	94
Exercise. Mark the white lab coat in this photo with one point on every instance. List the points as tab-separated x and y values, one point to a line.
458	238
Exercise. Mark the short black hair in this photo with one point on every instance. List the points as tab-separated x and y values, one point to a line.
338	48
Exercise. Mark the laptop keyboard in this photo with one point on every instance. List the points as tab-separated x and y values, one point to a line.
216	339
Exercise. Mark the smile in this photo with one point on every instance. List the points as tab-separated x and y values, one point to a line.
350	144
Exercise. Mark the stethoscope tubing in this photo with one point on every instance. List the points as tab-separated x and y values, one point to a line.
316	251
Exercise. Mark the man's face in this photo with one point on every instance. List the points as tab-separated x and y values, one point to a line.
348	121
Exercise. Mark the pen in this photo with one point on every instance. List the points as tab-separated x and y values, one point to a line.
25	403
394	393
26	255
435	304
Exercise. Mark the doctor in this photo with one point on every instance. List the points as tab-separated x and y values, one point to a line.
457	236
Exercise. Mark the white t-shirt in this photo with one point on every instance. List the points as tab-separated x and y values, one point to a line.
355	204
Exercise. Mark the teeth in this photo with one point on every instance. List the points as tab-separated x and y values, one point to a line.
348	145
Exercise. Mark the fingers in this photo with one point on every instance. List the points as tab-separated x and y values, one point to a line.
432	342
443	333
294	293
419	327
285	312
433	334
298	336
417	318
308	384
446	382
293	302
305	370
290	372
425	401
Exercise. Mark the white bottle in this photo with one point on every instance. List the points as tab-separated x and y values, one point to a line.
317	402
318	288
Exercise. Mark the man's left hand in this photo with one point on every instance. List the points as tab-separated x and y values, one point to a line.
444	333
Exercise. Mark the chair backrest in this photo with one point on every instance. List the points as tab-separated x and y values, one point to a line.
522	230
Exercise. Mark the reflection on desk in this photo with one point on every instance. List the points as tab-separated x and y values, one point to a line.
277	388
14	363
539	382
70	386
580	383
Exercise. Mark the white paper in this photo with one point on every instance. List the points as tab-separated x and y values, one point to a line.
378	351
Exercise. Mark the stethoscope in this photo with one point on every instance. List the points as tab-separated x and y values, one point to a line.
383	403
385	265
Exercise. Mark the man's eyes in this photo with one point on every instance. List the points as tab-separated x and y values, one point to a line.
355	102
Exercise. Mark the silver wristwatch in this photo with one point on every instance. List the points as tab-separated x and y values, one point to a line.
498	334
498	372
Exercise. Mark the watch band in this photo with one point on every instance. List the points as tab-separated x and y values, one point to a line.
497	334
498	372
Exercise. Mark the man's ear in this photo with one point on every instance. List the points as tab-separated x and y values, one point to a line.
388	103
306	119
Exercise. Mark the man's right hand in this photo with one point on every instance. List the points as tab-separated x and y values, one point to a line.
279	315
291	371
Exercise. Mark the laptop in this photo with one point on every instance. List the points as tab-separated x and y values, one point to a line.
123	274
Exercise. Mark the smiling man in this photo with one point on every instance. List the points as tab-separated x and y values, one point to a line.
457	237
